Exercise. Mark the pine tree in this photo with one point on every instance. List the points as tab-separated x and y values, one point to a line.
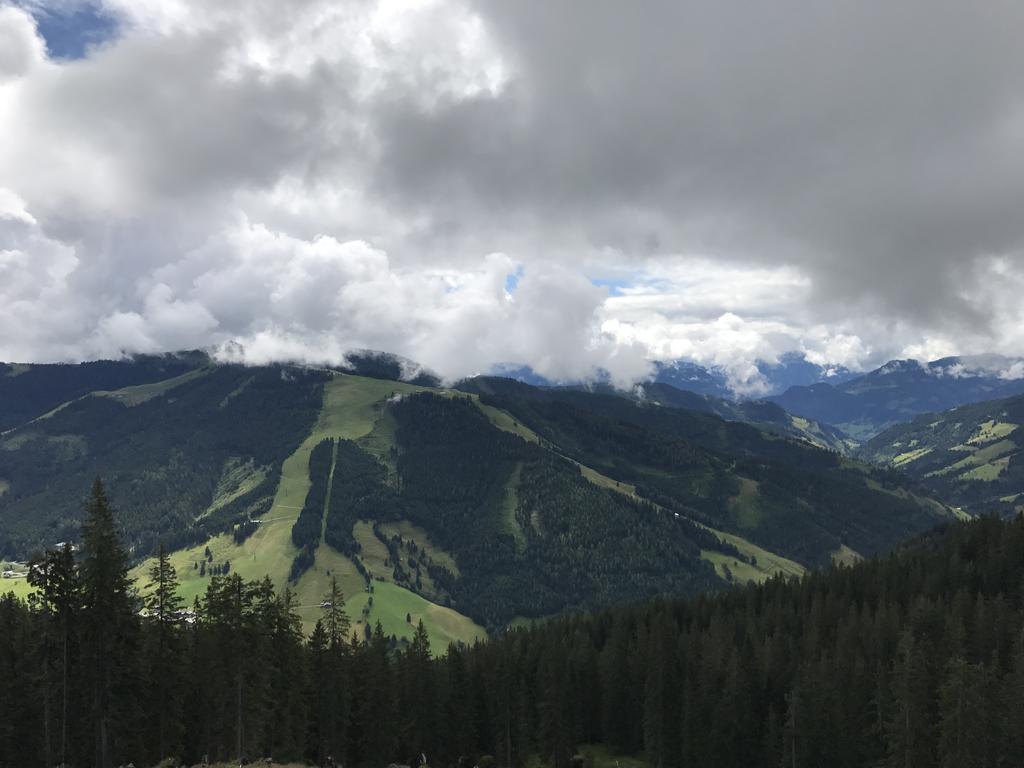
109	642
164	654
966	733
55	579
335	619
20	708
553	706
319	694
418	708
377	725
288	707
909	730
1012	699
661	710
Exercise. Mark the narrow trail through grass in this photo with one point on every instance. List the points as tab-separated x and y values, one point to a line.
327	497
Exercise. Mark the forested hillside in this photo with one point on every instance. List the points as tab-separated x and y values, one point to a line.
29	391
186	456
471	509
972	456
913	659
787	496
531	535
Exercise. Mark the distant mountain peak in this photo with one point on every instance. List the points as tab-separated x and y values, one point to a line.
898	366
975	366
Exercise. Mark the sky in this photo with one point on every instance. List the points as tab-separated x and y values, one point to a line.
575	186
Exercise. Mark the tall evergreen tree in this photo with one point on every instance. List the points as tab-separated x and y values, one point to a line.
109	630
55	579
376	732
163	655
911	733
335	620
288	708
967	734
418	706
20	708
661	708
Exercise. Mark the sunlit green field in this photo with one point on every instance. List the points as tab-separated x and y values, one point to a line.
20	587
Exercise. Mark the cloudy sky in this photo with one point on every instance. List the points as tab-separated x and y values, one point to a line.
571	185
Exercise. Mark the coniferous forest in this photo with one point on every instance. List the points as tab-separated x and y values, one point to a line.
912	659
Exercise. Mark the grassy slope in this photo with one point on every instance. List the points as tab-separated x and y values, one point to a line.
351	408
236	480
845	556
140	393
509	506
391	605
411	531
20	587
765	565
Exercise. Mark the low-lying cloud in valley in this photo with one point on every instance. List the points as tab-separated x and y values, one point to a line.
572	186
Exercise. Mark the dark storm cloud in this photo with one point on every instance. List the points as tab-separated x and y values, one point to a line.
878	145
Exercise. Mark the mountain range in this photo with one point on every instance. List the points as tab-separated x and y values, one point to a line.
902	389
471	506
858	406
791	369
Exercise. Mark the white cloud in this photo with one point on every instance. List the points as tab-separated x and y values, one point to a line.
21	49
1014	372
312	177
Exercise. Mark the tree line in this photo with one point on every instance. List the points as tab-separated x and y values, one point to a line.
914	659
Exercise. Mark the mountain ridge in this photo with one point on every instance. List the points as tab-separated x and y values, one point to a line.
480	504
902	389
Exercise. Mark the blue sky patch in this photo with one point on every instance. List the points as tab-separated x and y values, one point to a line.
614	286
70	29
512	280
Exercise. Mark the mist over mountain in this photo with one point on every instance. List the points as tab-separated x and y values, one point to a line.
767	378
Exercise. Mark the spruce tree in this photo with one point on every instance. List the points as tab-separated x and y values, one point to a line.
967	717
288	707
109	642
20	708
55	579
333	684
163	653
335	619
319	696
418	708
910	728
